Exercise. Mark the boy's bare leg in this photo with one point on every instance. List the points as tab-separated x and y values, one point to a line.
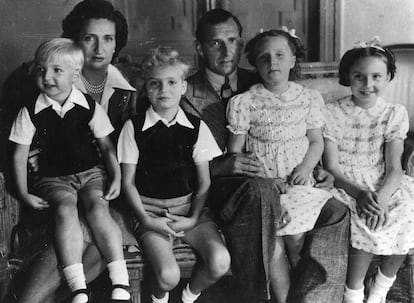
215	258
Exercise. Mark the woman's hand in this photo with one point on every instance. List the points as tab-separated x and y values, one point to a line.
299	176
367	204
181	223
34	201
161	225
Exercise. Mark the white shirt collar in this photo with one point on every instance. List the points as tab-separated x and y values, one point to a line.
75	97
151	118
218	80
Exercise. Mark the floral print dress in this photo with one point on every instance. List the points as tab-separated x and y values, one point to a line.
275	127
360	135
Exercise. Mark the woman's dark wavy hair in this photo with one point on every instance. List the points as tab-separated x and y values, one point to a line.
295	45
95	9
353	55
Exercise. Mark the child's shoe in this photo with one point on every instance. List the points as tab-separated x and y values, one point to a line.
379	287
80	296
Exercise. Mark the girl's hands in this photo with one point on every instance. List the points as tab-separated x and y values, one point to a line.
299	176
367	204
181	223
373	209
161	225
34	201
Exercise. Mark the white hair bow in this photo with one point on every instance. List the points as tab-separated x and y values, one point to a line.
291	32
374	42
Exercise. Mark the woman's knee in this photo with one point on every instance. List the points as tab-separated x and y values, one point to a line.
168	277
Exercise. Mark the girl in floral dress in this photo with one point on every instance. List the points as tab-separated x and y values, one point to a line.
280	123
363	147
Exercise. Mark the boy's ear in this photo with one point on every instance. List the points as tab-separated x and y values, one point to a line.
76	74
184	88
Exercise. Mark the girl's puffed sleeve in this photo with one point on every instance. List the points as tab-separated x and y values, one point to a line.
238	114
332	128
397	125
316	117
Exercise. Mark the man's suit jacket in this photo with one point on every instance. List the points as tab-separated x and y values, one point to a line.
202	101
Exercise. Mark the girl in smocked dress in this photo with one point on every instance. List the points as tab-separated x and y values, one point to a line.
280	123
363	147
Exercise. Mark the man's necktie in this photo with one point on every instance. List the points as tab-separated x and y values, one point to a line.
225	91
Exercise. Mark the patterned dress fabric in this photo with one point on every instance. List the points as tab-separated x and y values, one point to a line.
275	127
361	135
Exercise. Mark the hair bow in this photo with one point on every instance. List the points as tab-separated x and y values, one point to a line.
291	32
374	42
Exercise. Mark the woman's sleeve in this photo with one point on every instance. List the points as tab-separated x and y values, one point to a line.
316	117
397	125
332	128
238	115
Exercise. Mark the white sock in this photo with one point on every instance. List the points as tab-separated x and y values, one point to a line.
164	299
187	296
75	278
118	274
353	295
380	287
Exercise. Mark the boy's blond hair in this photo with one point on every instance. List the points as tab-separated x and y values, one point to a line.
62	48
163	56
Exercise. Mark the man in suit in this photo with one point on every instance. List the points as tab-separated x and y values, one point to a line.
247	206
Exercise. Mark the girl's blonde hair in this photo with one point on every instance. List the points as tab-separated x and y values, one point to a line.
164	56
62	48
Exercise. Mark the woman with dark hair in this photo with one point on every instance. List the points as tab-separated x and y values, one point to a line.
101	32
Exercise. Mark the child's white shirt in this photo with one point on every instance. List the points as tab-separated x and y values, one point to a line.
23	129
205	148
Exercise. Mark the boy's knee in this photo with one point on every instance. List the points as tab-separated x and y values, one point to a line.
218	264
168	277
65	211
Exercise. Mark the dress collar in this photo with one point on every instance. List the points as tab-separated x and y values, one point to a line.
151	118
75	97
292	93
350	108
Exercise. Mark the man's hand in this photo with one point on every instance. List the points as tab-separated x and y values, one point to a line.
324	180
181	223
280	185
34	201
238	164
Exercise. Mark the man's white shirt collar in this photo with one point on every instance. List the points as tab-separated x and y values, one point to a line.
75	97
151	118
217	81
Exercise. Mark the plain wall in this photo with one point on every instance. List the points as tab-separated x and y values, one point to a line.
391	20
